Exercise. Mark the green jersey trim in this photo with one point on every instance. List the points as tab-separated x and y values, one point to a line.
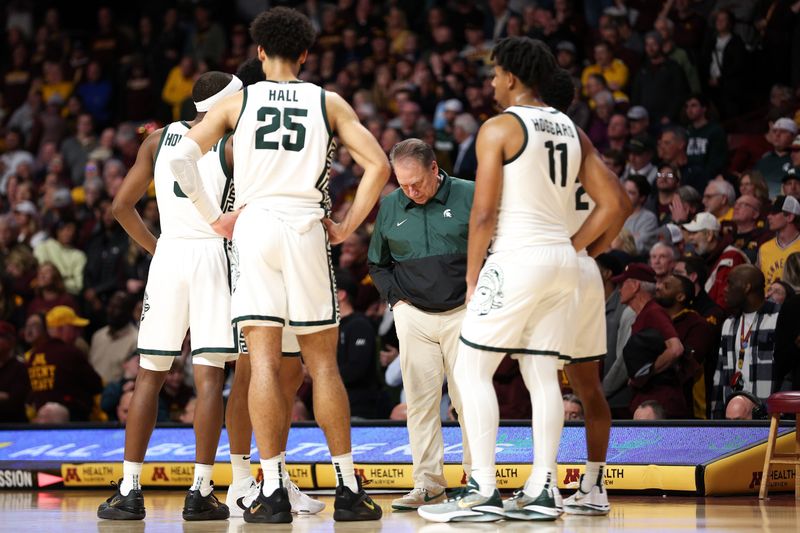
524	142
160	144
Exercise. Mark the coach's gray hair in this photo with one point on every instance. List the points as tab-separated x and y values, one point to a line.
416	149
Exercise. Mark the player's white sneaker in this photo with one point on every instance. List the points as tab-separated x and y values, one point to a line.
241	494
595	503
301	503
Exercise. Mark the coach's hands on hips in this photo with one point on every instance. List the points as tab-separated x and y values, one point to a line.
224	224
337	233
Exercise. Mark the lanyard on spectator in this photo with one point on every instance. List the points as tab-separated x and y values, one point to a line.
744	340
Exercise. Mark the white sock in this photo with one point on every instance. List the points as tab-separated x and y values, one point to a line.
273	475
540	478
541	377
240	465
593	476
202	478
345	471
286	477
473	372
131	473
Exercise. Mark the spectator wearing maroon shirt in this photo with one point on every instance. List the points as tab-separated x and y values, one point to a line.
60	373
675	295
716	250
653	348
14	383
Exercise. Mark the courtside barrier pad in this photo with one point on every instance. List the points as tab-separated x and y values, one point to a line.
695	457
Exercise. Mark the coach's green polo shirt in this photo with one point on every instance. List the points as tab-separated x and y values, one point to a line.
418	253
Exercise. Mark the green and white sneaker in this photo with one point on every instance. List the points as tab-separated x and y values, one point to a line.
593	503
469	506
417	498
545	507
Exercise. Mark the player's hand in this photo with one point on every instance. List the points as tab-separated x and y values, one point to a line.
224	224
470	292
336	232
678	210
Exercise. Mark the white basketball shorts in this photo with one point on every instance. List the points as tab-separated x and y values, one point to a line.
522	302
187	288
589	313
282	277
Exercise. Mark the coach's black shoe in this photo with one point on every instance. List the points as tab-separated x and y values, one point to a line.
272	509
199	507
352	506
119	507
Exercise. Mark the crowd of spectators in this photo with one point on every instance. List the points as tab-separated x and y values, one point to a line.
693	103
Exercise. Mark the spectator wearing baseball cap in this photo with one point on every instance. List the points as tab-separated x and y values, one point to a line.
720	257
777	162
14	383
64	324
58	371
653	345
567	58
790	184
638	120
784	221
641	149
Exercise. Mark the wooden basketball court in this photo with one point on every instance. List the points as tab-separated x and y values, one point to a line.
66	511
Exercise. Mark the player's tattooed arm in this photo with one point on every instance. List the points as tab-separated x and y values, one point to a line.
133	188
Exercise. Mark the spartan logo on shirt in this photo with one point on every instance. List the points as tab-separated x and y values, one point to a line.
234	265
145	306
489	293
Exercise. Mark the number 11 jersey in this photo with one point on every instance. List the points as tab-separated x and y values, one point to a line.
282	151
539	181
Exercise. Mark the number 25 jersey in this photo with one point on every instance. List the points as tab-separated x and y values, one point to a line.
539	182
282	150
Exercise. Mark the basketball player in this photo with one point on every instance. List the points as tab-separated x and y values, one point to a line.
589	319
187	287
244	489
283	145
529	158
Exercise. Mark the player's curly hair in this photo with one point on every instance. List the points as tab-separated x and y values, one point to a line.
559	90
528	59
251	72
209	84
283	32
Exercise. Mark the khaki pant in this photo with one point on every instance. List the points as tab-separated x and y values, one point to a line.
428	349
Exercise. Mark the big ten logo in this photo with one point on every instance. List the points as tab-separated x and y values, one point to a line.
775	478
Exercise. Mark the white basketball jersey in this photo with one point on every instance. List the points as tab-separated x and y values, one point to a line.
283	146
582	206
539	182
179	217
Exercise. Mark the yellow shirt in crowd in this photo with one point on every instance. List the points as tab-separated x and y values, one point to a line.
772	256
